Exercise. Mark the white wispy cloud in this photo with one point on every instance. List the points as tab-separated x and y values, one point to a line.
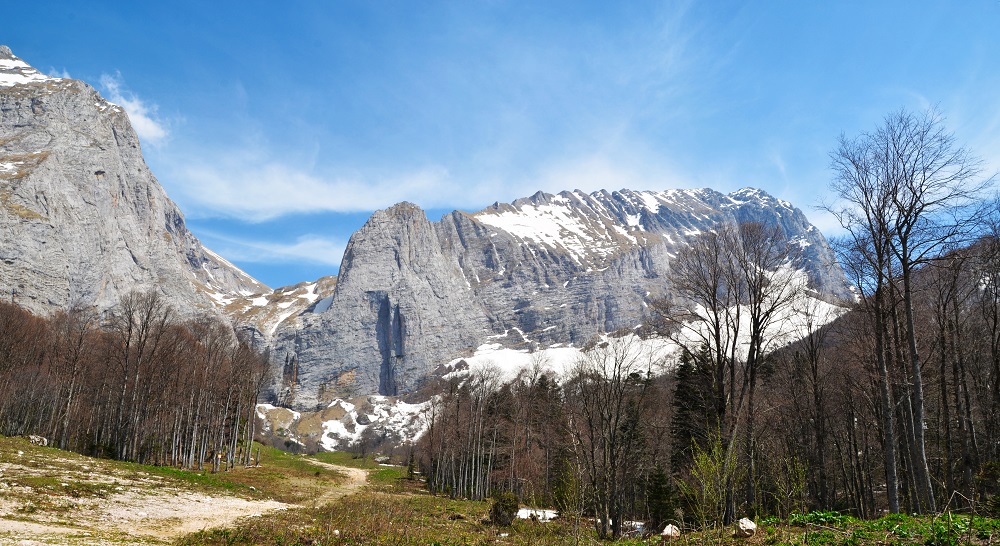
263	190
143	115
59	73
530	131
251	187
312	249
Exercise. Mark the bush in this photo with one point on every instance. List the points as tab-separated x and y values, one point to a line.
504	509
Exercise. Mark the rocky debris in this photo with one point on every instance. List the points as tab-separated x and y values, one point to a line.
374	420
262	313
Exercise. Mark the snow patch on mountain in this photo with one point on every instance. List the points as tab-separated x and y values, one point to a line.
344	423
14	71
407	422
593	228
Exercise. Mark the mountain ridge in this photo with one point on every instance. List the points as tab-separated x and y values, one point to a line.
558	268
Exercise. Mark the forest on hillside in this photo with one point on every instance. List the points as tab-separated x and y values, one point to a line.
894	406
136	383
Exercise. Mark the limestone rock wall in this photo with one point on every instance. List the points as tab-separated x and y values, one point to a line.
82	219
412	295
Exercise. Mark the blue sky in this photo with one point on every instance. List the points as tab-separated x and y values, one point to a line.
279	127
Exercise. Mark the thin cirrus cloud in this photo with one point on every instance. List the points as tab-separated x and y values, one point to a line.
312	249
59	73
261	190
143	115
270	189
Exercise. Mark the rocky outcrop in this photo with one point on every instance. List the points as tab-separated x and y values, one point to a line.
549	269
398	299
82	219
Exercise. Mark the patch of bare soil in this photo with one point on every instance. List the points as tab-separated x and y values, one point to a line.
356	479
54	501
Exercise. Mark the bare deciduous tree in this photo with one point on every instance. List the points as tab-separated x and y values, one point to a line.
609	397
905	192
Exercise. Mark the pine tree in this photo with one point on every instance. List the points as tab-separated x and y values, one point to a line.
694	418
660	498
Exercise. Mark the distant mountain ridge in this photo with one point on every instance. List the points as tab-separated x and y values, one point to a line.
544	270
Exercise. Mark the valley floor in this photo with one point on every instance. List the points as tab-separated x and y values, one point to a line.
48	496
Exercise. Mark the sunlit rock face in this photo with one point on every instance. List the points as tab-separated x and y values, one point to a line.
82	219
544	270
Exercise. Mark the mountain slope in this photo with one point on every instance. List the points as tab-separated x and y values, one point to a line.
82	219
544	270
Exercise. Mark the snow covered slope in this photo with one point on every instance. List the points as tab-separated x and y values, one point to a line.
266	311
592	229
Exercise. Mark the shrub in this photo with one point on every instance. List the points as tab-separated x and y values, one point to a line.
504	509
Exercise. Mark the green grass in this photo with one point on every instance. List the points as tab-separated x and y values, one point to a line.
281	476
832	528
411	518
384	478
396	510
390	518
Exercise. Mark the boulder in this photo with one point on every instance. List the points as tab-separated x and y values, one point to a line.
745	528
670	532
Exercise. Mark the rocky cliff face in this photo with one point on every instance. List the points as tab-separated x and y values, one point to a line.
82	219
544	270
393	314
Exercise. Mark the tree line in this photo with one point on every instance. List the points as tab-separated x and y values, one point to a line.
134	383
890	404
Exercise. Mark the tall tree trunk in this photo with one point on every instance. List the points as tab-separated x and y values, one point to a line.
922	471
885	399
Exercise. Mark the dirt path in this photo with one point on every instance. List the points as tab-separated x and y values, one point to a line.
139	511
356	479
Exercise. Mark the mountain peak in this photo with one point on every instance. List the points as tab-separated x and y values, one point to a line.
746	194
14	71
82	219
